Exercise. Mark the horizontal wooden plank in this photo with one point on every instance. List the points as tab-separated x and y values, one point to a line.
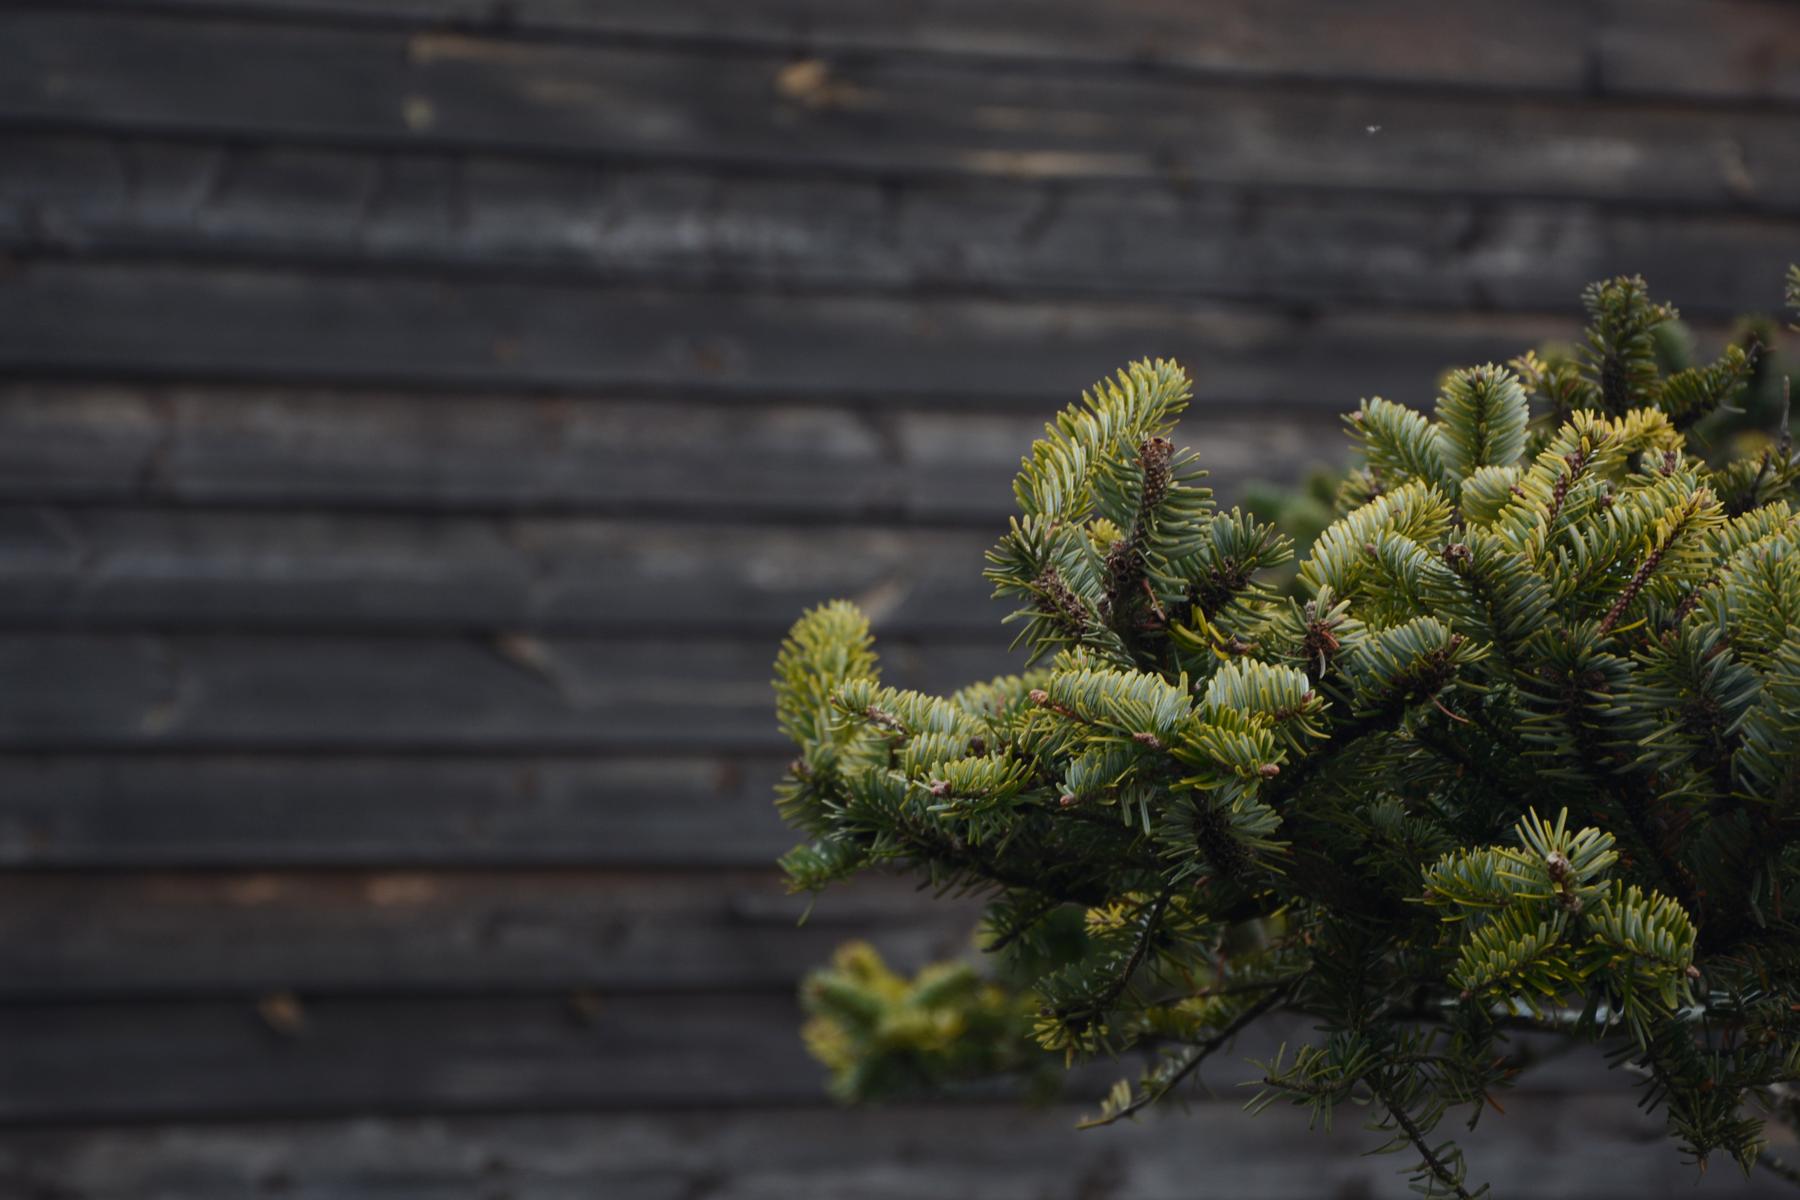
135	1059
164	321
1553	1148
297	1055
135	568
94	196
868	114
1733	50
281	447
66	935
180	810
1398	41
507	691
294	1054
1723	51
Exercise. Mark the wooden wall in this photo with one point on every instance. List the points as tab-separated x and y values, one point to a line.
421	417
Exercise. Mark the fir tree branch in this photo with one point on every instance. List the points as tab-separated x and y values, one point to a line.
1416	1136
1041	875
1146	933
1625	794
1198	1053
1062	606
1125	561
1023	924
1212	770
1652	560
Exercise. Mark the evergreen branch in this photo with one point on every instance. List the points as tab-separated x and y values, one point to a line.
1572	611
1677	525
1061	605
1125	558
1025	921
1192	1059
1146	933
1427	1155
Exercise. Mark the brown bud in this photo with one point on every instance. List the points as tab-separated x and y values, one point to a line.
1557	863
1070	800
1147	739
1268	770
1039	696
939	788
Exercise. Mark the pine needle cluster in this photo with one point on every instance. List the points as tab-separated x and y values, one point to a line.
1518	765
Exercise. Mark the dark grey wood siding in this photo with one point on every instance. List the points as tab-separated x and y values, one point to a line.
420	418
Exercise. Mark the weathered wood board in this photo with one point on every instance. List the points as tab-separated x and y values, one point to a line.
1557	1148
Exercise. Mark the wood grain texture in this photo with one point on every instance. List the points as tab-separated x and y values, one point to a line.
1741	49
867	114
291	1054
1555	1148
275	448
66	934
505	691
186	322
160	809
144	1058
429	212
152	569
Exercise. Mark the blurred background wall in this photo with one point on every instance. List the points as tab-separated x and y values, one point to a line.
422	417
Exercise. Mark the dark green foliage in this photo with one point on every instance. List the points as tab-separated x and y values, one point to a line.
1519	755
